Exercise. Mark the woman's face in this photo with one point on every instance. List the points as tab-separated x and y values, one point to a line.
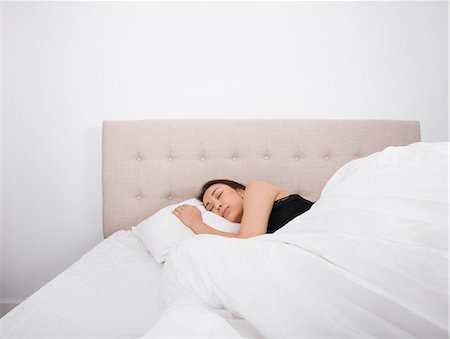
225	201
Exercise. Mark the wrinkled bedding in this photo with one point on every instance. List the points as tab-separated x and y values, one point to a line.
113	291
370	259
188	319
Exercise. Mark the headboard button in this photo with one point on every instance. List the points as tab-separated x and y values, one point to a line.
138	158
296	157
266	157
234	158
202	158
138	197
170	197
170	158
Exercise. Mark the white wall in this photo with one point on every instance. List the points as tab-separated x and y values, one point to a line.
68	66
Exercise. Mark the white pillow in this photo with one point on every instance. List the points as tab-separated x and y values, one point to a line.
163	230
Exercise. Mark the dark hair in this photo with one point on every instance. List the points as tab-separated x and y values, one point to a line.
231	183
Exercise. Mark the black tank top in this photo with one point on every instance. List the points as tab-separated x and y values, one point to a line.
286	209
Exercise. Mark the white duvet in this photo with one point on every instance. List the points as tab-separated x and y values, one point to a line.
370	259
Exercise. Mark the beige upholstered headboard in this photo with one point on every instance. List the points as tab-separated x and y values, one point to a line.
154	163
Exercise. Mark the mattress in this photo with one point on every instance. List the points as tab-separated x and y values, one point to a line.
112	291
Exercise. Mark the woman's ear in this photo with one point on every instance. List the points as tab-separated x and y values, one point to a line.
241	192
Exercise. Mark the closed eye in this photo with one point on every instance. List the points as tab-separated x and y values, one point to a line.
213	205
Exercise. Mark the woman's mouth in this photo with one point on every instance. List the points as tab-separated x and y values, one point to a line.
225	211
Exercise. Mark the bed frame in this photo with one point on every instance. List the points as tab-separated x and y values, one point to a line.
150	164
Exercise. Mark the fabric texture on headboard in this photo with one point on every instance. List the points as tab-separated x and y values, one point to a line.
149	164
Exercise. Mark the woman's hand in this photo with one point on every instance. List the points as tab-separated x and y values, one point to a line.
190	216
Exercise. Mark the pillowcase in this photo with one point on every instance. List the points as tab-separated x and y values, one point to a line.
163	230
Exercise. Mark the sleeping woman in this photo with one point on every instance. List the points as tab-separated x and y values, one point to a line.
259	207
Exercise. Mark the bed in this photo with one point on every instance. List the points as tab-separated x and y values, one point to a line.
369	259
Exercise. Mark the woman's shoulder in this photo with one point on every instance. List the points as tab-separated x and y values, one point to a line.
261	185
258	182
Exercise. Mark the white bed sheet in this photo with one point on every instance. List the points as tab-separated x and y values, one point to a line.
112	291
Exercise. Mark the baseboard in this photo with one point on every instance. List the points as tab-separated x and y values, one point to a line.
6	307
10	301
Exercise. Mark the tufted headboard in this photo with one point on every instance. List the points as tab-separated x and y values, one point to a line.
150	164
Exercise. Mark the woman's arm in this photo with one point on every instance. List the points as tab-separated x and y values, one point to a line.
202	228
191	217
